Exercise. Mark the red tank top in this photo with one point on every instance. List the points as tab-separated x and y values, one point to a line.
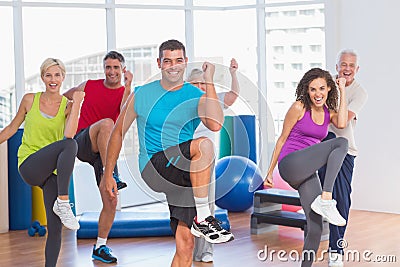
100	103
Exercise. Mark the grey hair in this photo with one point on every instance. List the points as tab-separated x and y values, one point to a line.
347	51
194	74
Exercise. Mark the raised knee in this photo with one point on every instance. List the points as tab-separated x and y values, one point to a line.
106	124
71	143
205	145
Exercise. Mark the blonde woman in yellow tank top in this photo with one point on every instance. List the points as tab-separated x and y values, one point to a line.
47	154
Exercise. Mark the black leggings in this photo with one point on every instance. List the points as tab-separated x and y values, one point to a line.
299	170
37	170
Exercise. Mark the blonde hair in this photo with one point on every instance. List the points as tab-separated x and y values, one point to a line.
49	62
194	75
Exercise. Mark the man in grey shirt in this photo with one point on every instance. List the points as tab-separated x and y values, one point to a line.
346	67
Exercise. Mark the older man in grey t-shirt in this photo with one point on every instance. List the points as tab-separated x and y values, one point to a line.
356	96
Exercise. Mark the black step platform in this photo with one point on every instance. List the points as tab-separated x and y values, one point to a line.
268	214
280	196
272	199
266	222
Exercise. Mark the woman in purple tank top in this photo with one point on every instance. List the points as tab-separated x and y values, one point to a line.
300	153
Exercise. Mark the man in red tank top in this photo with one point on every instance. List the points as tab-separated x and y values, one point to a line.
104	99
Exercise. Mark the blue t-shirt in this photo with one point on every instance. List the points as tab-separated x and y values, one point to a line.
164	118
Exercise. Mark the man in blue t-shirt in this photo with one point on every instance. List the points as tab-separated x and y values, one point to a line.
168	112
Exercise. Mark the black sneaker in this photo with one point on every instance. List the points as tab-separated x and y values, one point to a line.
103	253
211	230
120	184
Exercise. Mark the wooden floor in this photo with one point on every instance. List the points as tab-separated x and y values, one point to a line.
378	233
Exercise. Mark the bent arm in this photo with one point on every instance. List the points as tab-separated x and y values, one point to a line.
209	110
340	118
72	112
69	94
232	95
124	121
128	77
292	116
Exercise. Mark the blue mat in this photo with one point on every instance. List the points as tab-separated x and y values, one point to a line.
137	223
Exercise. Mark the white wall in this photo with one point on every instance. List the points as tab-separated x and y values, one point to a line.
371	27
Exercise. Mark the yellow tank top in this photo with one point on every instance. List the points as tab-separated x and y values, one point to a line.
40	131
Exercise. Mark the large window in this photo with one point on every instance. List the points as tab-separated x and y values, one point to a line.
67	1
295	38
219	37
80	32
62	33
6	51
226	35
223	3
146	30
151	2
6	66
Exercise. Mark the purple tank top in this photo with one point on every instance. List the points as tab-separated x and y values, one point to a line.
305	133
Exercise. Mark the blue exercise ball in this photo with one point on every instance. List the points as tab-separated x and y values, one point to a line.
235	179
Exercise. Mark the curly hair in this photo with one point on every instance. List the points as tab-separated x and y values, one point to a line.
302	88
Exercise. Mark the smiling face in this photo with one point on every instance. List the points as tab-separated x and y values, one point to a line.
318	92
113	72
53	78
347	67
200	83
172	65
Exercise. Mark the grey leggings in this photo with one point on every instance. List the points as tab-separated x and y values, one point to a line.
37	170
299	170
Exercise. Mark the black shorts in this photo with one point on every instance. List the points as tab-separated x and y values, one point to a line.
86	154
168	171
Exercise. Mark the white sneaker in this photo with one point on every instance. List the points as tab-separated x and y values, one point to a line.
63	210
335	260
207	257
210	229
327	209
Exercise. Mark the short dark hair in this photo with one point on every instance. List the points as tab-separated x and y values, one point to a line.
171	45
115	55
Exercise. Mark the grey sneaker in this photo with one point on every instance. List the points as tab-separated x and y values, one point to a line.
327	209
63	210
